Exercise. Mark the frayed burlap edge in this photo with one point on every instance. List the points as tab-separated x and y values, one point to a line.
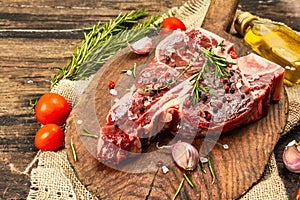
54	177
270	186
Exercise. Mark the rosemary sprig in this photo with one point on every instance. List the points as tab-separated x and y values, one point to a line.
188	67
219	62
220	71
197	88
100	37
101	54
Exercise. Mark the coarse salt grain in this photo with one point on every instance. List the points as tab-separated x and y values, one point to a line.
116	100
239	85
203	160
79	121
225	146
113	92
164	169
129	72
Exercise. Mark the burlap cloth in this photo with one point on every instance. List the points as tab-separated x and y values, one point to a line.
54	177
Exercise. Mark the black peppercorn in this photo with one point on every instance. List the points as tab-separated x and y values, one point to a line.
152	93
204	98
224	99
168	59
215	110
243	96
145	99
232	90
142	109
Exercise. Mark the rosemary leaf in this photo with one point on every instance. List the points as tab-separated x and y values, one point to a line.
88	133
211	170
73	151
32	104
202	167
134	70
178	189
188	180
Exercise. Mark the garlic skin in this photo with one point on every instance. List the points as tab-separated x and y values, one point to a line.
185	155
142	46
291	156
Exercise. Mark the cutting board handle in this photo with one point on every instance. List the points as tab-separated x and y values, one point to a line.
220	16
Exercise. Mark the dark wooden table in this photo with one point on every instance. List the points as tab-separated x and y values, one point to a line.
32	42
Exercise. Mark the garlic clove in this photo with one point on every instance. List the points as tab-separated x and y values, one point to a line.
142	46
185	155
291	157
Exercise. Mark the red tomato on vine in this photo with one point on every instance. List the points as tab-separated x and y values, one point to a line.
172	23
49	137
52	108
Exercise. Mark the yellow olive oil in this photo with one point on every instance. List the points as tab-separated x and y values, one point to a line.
274	41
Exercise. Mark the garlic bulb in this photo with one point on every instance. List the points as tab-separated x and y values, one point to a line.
291	156
142	46
185	155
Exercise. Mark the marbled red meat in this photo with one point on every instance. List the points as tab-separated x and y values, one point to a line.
163	95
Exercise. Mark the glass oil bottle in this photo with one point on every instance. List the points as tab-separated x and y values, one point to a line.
274	41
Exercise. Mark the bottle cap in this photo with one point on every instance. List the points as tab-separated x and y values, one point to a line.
242	22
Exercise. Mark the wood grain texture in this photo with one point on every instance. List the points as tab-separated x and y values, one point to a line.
237	169
71	14
26	58
276	10
25	75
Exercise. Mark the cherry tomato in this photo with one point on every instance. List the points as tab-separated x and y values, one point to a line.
52	108
172	23
49	137
298	194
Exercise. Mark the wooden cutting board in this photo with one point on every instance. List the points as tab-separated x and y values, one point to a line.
236	169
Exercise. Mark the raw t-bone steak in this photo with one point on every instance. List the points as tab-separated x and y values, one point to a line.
195	86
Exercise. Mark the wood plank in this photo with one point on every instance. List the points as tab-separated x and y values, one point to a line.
220	22
281	11
71	15
25	74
